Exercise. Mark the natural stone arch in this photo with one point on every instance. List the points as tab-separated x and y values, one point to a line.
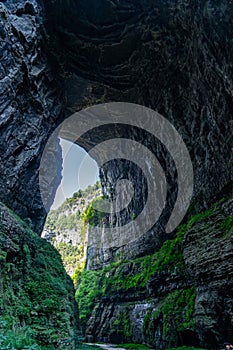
153	73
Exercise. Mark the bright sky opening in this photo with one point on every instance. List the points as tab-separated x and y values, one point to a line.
79	171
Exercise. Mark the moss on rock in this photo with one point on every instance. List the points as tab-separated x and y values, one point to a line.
176	313
35	291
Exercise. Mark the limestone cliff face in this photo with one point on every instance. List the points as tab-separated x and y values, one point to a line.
181	295
28	107
172	56
208	257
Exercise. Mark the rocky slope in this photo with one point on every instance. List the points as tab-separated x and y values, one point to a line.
36	295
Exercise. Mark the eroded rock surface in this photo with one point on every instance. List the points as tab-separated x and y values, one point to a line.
173	57
28	107
181	295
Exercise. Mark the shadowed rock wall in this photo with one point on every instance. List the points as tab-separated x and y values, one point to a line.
29	107
172	56
180	296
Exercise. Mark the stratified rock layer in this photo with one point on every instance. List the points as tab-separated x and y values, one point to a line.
208	256
181	295
172	56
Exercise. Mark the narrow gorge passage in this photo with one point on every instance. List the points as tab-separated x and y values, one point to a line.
145	87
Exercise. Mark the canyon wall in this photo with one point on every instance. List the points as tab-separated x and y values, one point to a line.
29	108
179	296
174	57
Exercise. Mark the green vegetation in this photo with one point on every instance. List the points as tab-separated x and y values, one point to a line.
200	216
112	279
77	272
35	292
122	326
92	216
86	294
227	225
169	257
69	216
61	222
176	312
72	256
92	191
22	339
73	215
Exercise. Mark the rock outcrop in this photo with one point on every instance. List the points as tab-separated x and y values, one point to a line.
208	257
181	295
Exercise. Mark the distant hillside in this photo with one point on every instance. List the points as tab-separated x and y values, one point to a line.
66	228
